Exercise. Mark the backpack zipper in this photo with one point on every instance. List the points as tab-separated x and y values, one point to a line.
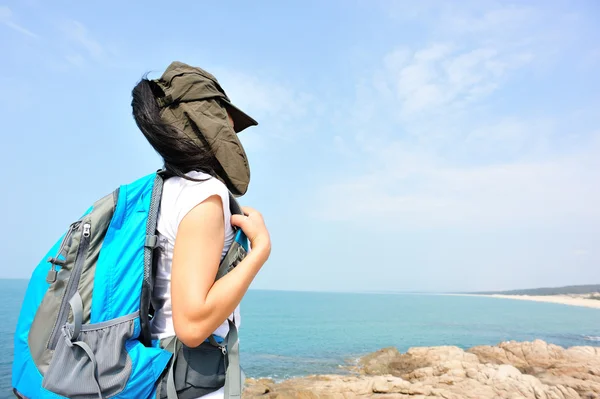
52	273
72	285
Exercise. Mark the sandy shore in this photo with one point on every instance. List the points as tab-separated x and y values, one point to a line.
572	300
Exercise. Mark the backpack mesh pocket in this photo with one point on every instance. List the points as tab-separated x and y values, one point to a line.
77	374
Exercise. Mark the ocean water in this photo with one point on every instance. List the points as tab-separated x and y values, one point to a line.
285	334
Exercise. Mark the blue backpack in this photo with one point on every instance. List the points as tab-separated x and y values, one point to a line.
84	332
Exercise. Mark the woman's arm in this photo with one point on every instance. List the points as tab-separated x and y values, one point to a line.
199	303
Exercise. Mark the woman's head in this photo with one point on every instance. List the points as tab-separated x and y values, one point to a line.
188	119
180	153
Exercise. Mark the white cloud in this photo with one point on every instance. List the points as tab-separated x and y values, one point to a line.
433	53
504	21
341	146
441	75
7	18
419	190
263	97
79	34
580	252
445	157
75	60
276	106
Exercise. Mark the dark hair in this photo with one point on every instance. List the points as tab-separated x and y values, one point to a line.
180	153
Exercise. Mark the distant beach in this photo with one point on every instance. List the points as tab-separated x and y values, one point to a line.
572	300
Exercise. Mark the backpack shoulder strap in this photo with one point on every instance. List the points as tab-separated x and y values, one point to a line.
239	247
149	264
236	253
234	206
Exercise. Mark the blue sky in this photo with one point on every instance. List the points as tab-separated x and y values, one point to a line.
438	146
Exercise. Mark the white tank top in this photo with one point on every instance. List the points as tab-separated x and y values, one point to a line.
180	196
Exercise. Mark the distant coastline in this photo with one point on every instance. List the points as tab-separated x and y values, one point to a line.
574	295
588	289
583	300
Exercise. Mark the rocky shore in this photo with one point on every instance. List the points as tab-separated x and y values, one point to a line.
510	370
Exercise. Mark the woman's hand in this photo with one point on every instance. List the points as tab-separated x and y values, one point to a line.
253	225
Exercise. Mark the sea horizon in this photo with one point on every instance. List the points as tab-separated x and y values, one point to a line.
384	292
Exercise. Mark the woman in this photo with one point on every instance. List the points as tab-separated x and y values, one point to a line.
188	119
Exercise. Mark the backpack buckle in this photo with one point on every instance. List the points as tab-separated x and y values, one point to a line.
151	241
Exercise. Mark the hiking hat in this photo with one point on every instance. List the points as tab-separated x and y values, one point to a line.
194	102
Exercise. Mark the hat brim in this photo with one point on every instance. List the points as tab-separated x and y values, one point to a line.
241	120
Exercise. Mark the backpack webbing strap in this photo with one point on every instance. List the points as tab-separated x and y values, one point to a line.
149	247
76	304
171	390
234	206
90	354
233	374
